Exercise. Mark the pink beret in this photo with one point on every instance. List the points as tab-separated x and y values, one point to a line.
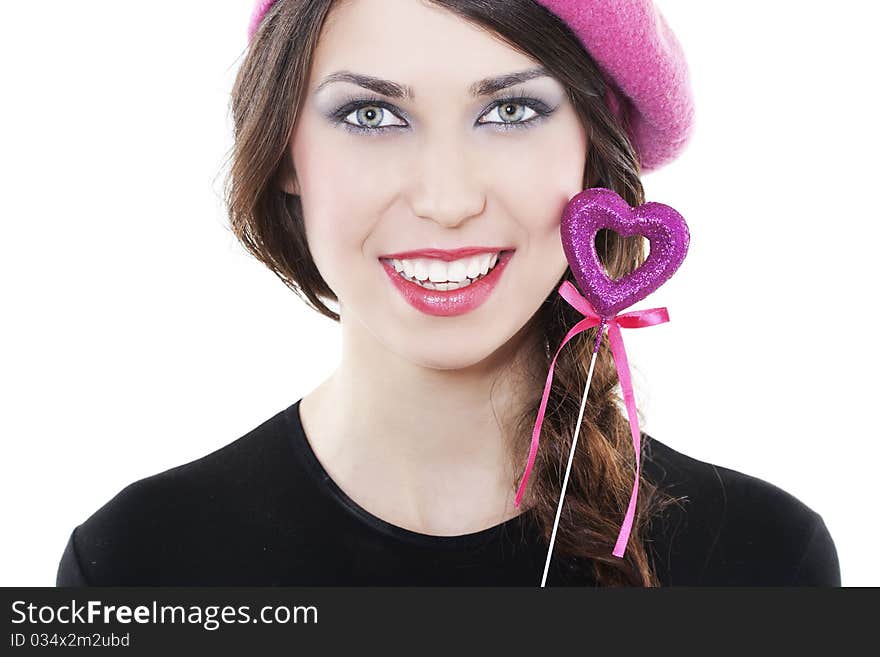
640	58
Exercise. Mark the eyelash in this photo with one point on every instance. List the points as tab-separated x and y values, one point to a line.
354	104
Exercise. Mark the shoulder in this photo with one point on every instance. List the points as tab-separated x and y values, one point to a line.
161	527
732	528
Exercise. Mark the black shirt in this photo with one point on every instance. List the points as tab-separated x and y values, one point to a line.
263	511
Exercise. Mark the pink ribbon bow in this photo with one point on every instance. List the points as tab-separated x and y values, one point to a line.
634	319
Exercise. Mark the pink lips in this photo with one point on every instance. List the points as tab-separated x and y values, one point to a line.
447	302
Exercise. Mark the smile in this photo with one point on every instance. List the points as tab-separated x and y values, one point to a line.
447	287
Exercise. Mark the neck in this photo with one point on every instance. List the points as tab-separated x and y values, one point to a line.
424	448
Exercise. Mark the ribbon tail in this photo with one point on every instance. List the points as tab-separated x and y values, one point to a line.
623	373
582	325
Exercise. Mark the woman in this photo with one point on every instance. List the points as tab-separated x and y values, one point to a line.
389	155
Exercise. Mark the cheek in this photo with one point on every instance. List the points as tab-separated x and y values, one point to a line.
339	195
552	172
328	183
336	169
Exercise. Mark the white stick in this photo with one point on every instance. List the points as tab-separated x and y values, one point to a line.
568	469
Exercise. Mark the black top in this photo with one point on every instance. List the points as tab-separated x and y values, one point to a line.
263	511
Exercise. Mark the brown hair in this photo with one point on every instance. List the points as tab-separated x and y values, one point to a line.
267	93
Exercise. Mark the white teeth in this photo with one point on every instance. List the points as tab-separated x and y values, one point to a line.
437	272
491	259
420	269
474	266
443	286
457	272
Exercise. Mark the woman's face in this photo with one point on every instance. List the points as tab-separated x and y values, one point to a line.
432	161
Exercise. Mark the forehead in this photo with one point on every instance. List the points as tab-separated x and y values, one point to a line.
412	41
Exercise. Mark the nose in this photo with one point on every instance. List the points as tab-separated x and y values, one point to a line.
445	186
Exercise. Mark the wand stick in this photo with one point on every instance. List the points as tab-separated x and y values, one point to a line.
574	442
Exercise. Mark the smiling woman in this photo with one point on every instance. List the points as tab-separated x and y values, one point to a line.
410	161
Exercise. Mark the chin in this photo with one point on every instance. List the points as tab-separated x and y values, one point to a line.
449	357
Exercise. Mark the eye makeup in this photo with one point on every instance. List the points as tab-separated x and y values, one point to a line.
356	102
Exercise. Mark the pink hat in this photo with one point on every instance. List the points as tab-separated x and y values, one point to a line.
640	58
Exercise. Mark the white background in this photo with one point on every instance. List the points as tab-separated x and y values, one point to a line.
137	335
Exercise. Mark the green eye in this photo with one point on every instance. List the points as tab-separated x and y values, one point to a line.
511	112
370	117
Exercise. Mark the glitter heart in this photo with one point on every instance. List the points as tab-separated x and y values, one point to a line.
597	208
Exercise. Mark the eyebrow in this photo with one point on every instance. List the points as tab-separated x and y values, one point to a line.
395	90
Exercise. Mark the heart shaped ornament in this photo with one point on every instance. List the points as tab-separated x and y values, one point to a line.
593	209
